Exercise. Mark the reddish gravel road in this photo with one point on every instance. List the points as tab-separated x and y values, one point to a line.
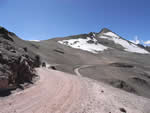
53	93
58	92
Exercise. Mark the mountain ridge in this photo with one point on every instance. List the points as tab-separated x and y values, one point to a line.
102	38
110	62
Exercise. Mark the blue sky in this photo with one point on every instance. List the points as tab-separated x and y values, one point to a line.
43	19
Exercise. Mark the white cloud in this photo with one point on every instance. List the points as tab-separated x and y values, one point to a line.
147	42
136	40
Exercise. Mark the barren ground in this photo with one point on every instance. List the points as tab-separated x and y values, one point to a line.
58	92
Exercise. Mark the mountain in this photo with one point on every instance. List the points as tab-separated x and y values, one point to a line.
102	41
102	61
112	59
103	56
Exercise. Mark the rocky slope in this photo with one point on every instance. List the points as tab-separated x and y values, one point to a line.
112	59
16	61
99	61
148	48
115	60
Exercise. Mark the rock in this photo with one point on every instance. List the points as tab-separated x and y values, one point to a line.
3	30
123	65
122	85
25	49
90	42
147	48
123	110
13	51
4	34
105	30
53	67
59	51
16	66
3	82
37	61
43	64
139	81
8	38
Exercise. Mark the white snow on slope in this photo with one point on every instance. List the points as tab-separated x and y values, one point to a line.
83	44
35	40
130	47
110	34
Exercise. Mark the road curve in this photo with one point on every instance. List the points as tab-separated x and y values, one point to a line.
104	61
53	93
58	92
77	69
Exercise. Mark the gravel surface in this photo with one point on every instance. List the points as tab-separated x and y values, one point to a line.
58	92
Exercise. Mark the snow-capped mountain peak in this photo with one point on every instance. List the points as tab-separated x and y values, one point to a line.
127	45
95	42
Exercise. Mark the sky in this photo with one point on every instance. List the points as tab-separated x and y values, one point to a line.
44	19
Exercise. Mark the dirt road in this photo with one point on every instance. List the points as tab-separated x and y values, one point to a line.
53	93
58	92
76	70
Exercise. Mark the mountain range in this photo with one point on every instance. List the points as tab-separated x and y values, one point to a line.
103	57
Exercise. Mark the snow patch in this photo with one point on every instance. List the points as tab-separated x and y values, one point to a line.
111	34
94	34
130	47
87	44
35	40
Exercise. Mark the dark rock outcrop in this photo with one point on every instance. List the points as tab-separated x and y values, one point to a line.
59	51
5	34
148	48
144	47
122	85
16	64
43	64
53	67
105	30
123	65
